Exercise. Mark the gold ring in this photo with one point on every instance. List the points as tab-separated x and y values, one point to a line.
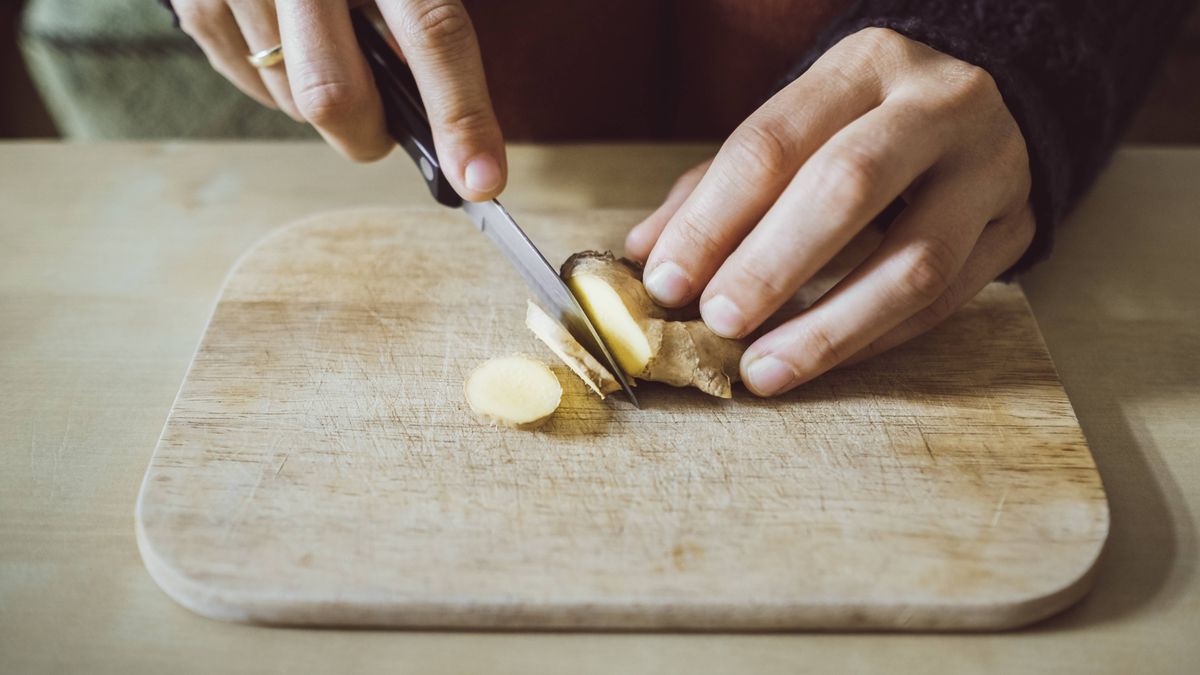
267	57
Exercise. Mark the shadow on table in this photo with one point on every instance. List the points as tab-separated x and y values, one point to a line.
1117	308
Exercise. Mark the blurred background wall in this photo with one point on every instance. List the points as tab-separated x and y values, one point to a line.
103	69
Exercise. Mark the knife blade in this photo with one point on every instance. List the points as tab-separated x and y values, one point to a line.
408	124
556	298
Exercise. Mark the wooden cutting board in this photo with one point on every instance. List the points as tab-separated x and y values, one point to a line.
321	467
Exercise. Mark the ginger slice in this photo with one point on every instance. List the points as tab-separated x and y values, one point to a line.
513	391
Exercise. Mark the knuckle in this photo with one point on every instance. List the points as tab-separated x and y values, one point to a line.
819	348
766	287
761	144
969	87
462	119
847	178
972	80
438	25
928	271
697	234
327	103
880	45
196	18
847	67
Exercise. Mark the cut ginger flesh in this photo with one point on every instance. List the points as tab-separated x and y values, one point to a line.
615	323
513	391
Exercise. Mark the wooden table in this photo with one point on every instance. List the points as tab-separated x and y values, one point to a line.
111	257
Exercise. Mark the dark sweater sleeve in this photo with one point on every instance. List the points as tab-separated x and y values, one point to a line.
1072	73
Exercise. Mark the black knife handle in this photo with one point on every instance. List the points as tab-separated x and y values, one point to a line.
403	110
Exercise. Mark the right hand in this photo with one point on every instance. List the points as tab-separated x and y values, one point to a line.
326	81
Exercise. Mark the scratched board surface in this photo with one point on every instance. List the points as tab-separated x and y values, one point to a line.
321	467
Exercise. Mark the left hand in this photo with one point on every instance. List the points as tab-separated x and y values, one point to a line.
876	117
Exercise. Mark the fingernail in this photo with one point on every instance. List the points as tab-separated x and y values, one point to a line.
667	283
723	316
482	174
767	376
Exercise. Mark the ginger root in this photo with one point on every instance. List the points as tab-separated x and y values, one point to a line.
513	391
648	341
566	348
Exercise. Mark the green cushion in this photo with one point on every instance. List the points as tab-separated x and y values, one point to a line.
119	69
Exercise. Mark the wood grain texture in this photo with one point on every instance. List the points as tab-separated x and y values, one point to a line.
321	467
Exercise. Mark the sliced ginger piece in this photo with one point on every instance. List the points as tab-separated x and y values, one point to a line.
568	349
649	341
513	391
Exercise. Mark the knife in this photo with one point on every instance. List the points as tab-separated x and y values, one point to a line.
407	123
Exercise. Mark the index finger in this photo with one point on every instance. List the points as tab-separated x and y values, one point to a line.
438	41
